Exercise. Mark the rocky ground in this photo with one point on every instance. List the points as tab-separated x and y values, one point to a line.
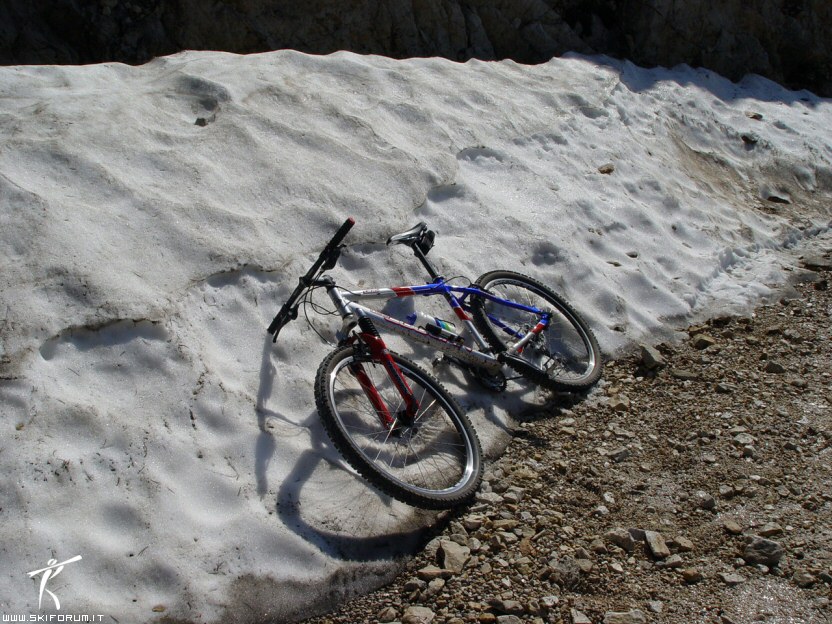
694	486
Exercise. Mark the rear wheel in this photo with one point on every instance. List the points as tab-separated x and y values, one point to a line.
433	461
564	356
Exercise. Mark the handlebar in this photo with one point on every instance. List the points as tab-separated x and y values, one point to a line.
327	259
341	233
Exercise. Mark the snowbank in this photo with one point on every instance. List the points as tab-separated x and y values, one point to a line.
154	218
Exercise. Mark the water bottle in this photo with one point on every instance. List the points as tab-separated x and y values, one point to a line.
434	326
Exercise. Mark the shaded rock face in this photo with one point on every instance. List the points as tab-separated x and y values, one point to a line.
786	40
781	39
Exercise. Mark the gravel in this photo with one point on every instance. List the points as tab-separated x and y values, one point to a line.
711	460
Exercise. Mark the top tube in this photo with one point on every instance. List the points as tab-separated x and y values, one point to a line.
433	289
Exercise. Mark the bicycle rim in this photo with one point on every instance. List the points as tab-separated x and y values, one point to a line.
564	351
435	458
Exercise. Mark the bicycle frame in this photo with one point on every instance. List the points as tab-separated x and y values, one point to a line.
351	312
425	451
361	342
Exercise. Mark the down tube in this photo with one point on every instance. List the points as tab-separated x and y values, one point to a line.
409	332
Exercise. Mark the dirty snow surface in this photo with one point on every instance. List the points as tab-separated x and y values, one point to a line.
153	218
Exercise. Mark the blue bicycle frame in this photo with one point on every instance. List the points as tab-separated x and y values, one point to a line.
351	312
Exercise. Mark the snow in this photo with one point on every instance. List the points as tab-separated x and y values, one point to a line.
155	217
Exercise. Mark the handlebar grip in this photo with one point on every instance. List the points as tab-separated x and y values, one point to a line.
278	322
287	313
341	233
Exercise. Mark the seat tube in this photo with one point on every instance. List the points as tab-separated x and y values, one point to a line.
466	319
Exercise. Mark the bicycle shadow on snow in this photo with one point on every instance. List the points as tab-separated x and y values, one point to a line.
325	501
328	504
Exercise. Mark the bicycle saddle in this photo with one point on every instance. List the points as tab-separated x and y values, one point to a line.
409	237
419	236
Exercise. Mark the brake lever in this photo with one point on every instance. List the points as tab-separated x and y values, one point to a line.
282	319
331	259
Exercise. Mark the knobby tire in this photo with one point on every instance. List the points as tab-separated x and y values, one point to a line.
565	356
435	464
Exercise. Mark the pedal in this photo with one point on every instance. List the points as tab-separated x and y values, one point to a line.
442	360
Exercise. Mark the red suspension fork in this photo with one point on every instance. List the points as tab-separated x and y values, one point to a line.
379	352
372	394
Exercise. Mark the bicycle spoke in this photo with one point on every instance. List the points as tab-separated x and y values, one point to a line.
561	351
433	458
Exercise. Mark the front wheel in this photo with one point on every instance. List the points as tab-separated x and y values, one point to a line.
431	459
564	356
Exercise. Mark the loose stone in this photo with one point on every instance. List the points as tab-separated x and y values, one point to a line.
621	538
770	530
625	617
428	573
489	498
691	575
579	617
774	367
705	501
388	614
619	403
453	556
651	358
684	374
817	263
434	587
763	551
565	572
804	578
672	562
731	579
514	495
620	454
656	544
683	544
703	341
509	607
418	615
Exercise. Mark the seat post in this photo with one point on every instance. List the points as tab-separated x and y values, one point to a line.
426	263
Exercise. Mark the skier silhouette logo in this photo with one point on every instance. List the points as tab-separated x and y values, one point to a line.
49	572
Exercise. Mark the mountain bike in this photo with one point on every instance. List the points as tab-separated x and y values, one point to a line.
394	422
